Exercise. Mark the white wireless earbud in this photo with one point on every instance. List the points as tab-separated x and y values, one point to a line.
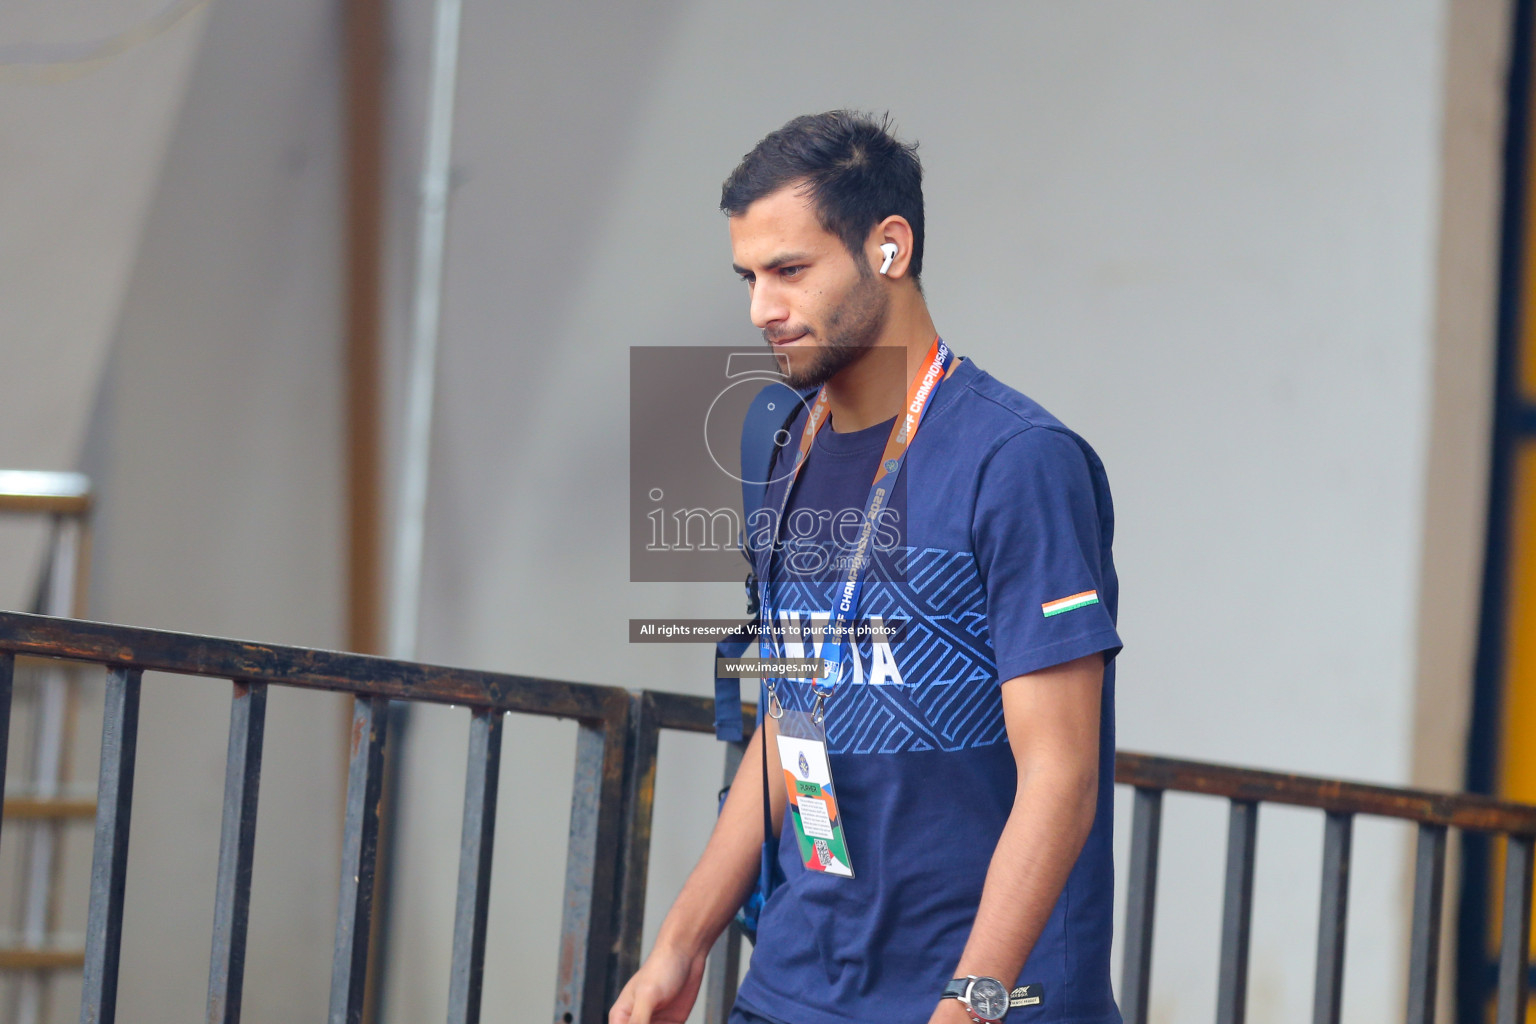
890	249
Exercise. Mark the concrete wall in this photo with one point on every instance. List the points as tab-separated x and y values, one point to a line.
1245	250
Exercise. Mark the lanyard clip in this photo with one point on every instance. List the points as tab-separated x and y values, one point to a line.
775	709
818	710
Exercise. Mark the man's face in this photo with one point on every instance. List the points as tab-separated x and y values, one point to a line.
818	307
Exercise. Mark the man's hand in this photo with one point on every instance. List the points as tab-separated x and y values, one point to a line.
662	990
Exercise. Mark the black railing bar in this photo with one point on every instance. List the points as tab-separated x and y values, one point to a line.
7	688
1141	903
1424	944
187	654
1149	771
1237	913
635	858
472	907
587	925
577	925
237	847
723	968
1515	943
1332	919
686	713
109	857
1460	810
359	853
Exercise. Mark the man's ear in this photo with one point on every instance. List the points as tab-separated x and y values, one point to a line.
894	230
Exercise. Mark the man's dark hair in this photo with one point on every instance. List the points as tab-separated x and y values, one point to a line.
855	170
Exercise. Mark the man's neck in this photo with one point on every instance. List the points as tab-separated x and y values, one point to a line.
874	388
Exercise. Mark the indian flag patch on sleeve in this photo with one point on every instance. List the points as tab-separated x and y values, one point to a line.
1067	604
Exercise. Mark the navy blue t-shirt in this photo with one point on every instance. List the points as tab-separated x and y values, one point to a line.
997	564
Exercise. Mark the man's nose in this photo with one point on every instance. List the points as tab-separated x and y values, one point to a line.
768	306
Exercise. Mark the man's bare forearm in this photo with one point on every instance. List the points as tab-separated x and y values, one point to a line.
729	865
1051	817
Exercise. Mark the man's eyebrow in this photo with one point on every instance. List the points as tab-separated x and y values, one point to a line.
775	263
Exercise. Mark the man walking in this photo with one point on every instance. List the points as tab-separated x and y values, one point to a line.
944	801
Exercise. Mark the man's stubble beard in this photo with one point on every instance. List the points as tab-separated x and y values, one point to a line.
851	330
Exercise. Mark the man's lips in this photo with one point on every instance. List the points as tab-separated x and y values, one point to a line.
786	340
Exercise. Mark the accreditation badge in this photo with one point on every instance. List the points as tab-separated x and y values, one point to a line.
812	800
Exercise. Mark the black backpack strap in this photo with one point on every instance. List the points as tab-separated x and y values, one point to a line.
764	429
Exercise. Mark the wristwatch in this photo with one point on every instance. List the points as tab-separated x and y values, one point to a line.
985	999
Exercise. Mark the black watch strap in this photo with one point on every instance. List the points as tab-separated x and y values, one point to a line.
955	989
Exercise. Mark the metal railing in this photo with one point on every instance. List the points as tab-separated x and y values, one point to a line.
602	716
1150	777
610	829
1246	790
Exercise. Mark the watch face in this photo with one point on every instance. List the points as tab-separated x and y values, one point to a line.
988	998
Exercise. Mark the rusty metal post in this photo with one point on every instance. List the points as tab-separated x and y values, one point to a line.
1328	992
360	845
724	966
237	849
475	845
1237	913
1141	902
639	807
588	925
109	860
7	686
1424	946
1515	944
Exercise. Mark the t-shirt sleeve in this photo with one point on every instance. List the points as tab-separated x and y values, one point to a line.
1040	543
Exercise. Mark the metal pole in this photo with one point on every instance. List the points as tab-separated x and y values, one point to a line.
405	582
416	447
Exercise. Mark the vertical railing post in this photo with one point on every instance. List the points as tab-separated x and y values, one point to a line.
237	847
1141	904
475	846
1424	945
635	860
49	745
1328	993
724	965
7	686
1237	913
587	924
359	851
109	858
1515	943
